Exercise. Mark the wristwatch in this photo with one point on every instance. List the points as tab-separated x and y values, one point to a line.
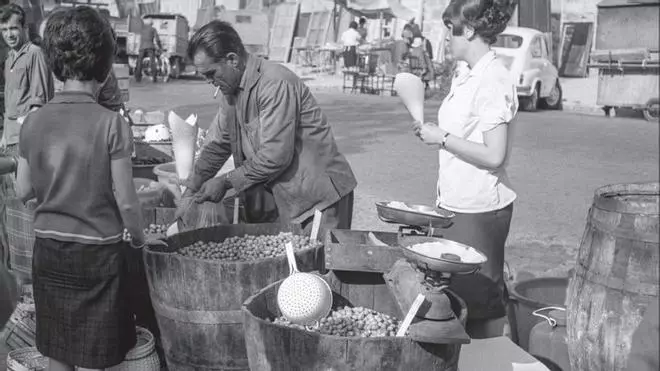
444	140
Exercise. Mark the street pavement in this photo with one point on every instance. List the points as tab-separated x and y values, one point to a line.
558	161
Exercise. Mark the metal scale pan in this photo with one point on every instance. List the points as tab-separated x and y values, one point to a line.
422	216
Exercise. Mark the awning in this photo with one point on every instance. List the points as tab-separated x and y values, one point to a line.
374	8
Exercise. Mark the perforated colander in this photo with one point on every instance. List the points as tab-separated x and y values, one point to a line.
303	298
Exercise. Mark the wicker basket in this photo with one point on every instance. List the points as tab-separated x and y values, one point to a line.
20	331
143	356
20	236
26	359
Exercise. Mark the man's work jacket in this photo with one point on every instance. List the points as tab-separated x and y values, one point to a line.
280	140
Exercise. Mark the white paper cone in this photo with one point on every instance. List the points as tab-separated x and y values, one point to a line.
410	89
184	143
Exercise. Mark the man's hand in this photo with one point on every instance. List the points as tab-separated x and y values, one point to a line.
190	188
213	190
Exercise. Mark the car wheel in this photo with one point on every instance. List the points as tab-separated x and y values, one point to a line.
652	110
531	103
554	100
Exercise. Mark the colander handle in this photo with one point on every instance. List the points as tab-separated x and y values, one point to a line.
293	267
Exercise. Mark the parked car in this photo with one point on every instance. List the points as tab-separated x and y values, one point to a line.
525	53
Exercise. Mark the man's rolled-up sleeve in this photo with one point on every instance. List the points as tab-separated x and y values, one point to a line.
279	111
41	80
214	153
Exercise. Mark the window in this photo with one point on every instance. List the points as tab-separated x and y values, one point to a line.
243	19
544	48
536	49
508	41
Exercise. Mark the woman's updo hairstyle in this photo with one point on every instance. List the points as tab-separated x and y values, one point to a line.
488	18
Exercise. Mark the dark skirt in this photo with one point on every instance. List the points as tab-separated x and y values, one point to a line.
82	304
485	292
350	56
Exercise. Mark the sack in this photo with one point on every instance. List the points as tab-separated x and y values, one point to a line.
204	215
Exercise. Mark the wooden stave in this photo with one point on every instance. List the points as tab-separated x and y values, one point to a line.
611	227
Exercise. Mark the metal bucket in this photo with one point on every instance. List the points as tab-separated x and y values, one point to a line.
529	295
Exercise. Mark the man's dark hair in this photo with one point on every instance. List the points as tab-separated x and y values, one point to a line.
353	25
9	10
216	39
79	44
363	20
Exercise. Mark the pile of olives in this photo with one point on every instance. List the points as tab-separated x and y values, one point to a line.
154	231
149	161
247	247
349	322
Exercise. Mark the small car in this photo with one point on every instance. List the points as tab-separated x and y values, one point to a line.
525	53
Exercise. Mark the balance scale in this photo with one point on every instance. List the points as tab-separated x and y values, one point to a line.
417	273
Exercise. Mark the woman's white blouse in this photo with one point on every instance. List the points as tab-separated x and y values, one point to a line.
480	99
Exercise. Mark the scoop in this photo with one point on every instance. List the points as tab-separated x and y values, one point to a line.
303	298
410	89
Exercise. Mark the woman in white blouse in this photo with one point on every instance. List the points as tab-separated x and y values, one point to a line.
474	135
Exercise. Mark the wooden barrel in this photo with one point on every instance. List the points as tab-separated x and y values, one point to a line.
274	347
616	276
20	236
197	302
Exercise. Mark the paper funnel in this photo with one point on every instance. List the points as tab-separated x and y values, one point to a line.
410	89
184	143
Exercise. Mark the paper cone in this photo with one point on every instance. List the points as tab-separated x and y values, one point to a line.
410	89
184	143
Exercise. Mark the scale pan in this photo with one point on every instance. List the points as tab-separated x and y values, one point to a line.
442	255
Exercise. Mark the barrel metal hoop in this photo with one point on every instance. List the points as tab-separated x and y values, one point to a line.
603	198
187	363
198	316
625	233
630	285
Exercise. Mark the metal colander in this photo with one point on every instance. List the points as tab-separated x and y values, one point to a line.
303	298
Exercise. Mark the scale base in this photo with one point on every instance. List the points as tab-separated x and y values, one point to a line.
441	319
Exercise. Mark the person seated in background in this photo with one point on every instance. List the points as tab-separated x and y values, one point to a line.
351	39
400	50
420	63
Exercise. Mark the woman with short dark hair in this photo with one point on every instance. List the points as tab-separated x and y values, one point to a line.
474	138
75	158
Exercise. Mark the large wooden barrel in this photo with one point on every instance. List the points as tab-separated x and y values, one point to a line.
616	276
197	302
272	347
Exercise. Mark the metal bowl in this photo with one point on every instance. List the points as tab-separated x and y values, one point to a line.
422	217
444	265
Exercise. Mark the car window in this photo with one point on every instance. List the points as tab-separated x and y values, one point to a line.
535	48
544	48
508	41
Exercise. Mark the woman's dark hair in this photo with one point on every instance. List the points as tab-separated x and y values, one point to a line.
353	25
9	10
363	20
488	18
216	39
79	44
